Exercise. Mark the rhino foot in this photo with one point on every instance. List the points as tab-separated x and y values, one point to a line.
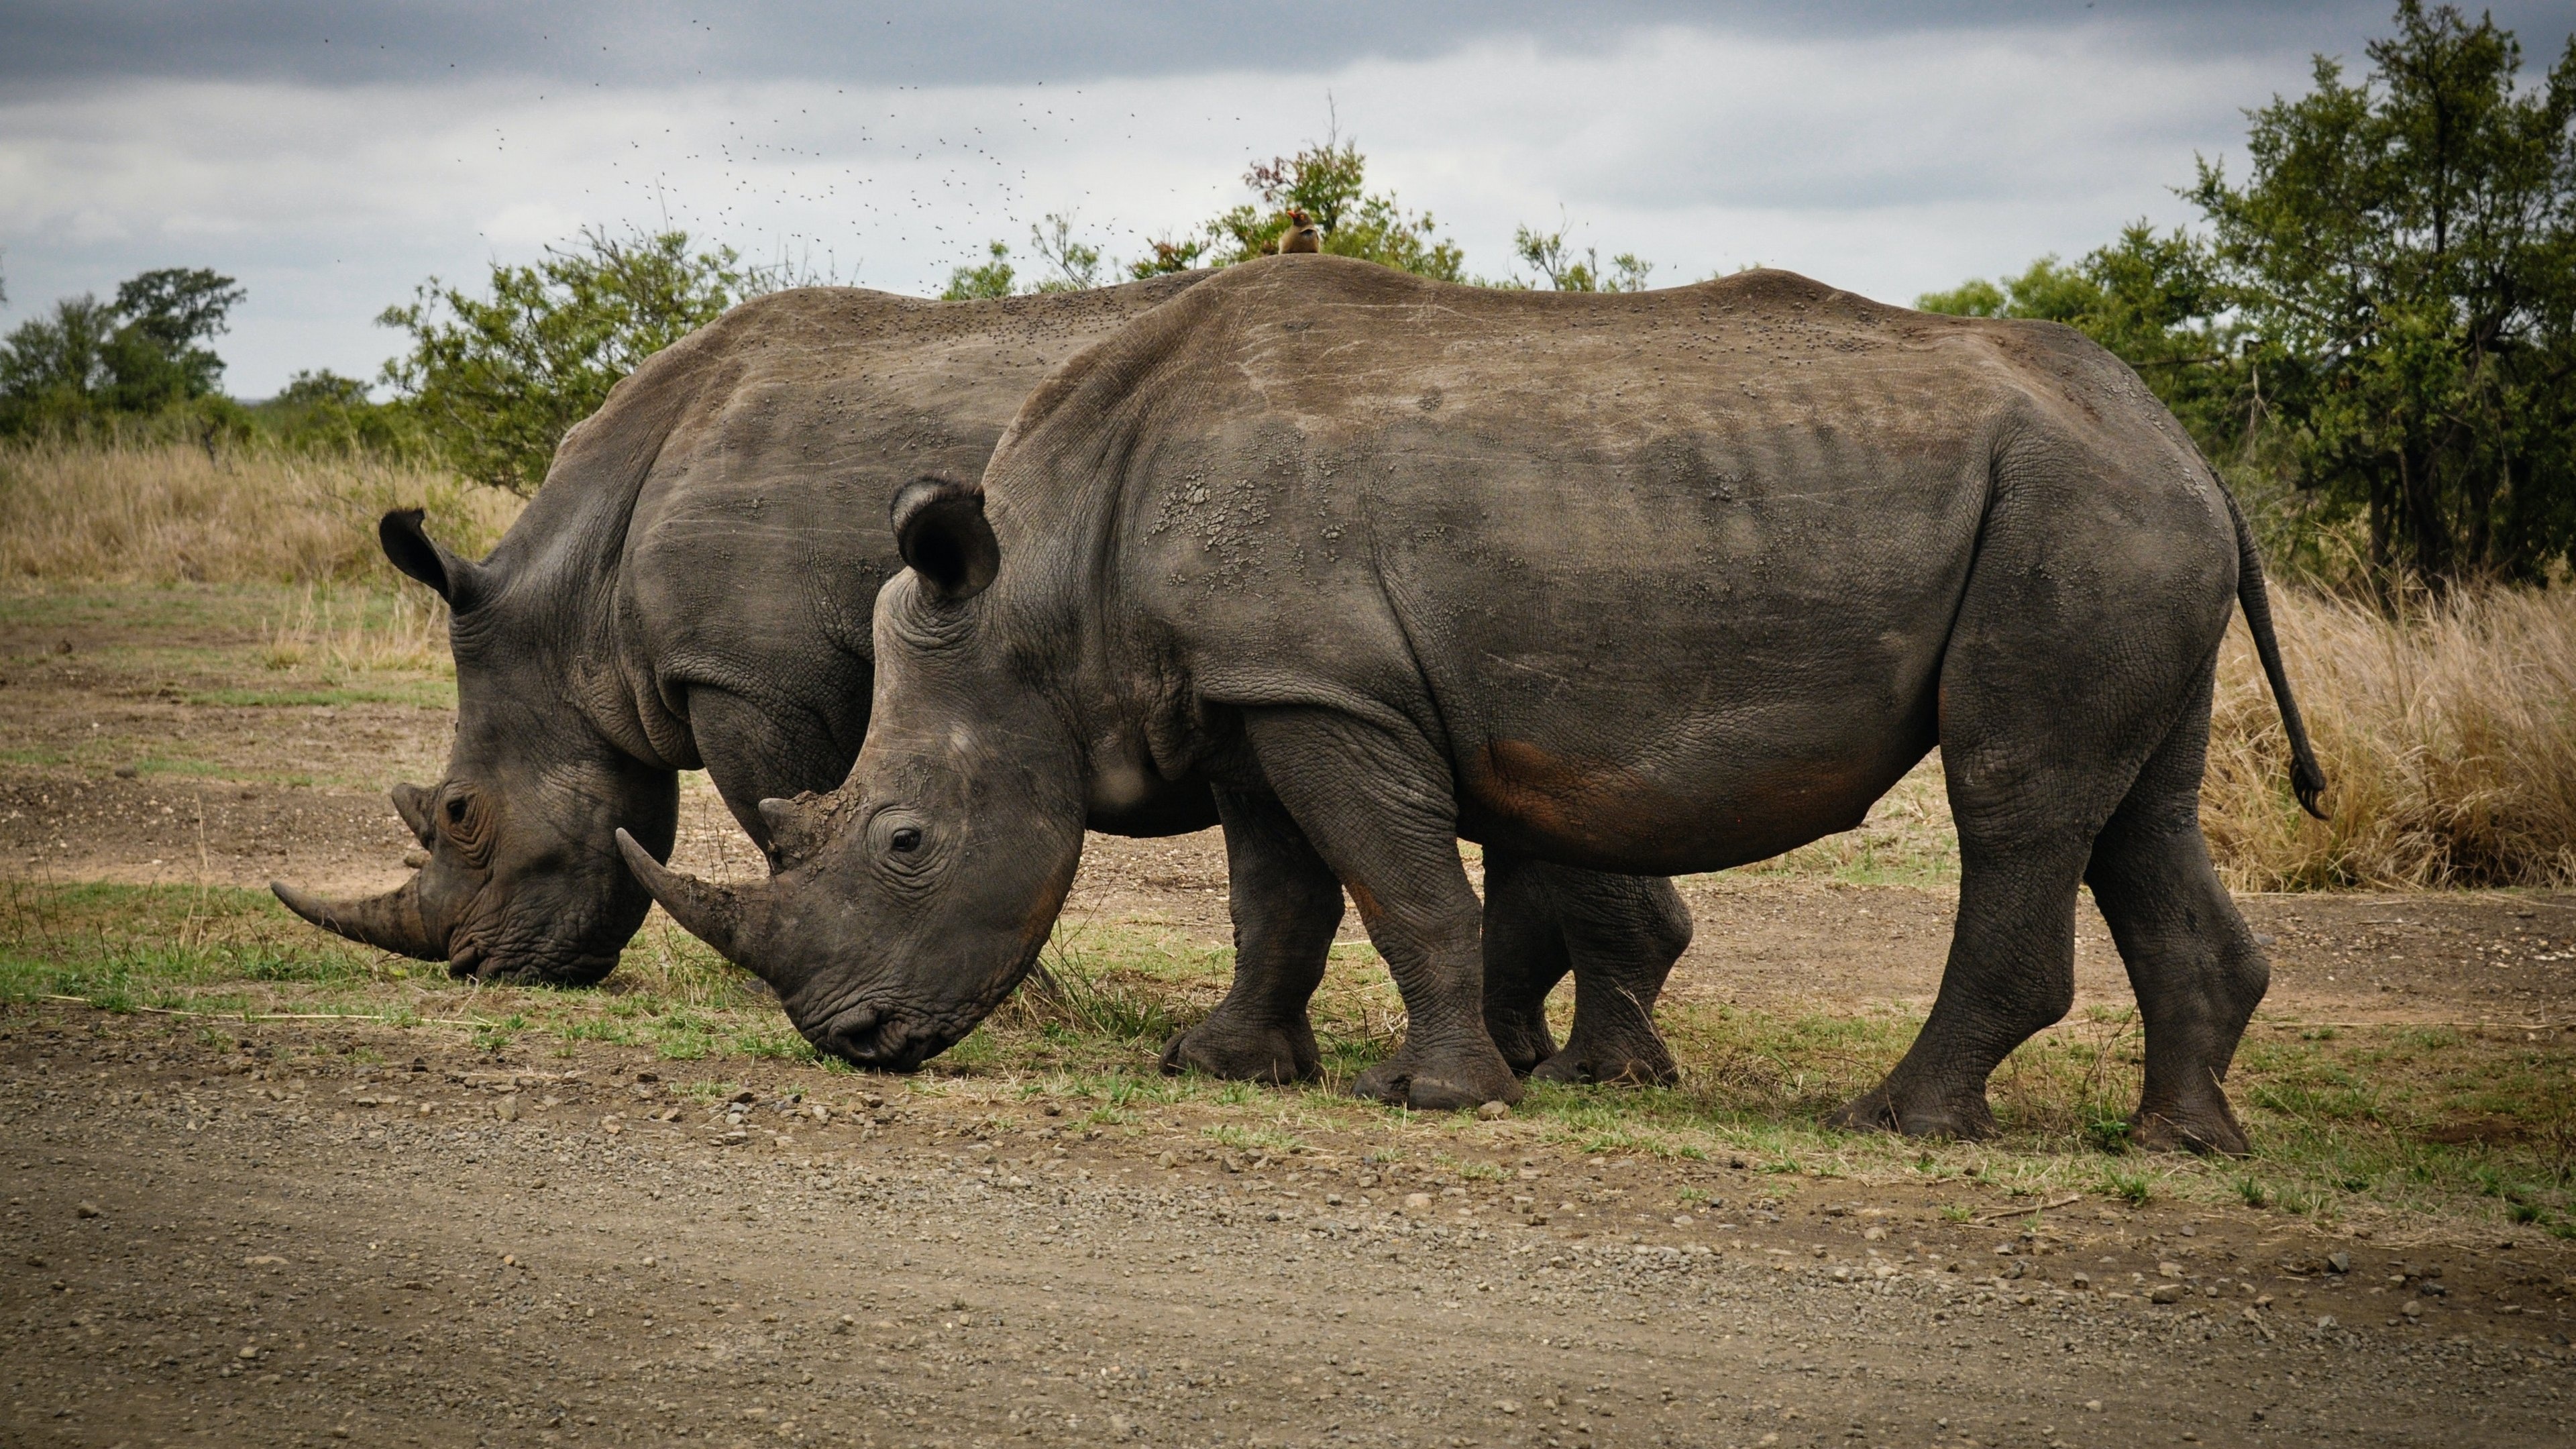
1521	1036
1277	1053
1918	1113
2171	1127
1643	1063
1453	1080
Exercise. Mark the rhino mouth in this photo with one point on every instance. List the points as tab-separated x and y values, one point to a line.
883	1039
483	947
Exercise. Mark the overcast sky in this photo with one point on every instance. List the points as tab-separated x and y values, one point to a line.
333	156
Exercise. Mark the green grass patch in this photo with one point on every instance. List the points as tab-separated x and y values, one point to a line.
2365	1121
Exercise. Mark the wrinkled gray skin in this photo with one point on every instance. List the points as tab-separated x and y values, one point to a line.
692	589
1645	583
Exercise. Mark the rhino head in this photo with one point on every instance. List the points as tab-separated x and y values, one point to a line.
523	880
904	906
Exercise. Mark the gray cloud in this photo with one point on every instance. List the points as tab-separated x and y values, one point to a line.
614	42
1863	143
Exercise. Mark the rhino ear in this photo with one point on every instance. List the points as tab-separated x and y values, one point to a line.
940	529
414	552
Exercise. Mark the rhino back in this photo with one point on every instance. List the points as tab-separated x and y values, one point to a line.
721	521
1665	558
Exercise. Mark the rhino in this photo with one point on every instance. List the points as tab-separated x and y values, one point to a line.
692	589
1643	583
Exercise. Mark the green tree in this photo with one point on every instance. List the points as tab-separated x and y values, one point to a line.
53	370
324	412
92	363
1076	266
2403	253
1167	256
496	381
1329	183
157	357
991	279
1566	272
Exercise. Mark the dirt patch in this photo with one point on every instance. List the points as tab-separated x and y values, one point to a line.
321	1232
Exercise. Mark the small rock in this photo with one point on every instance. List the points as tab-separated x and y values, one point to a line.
248	1351
1166	1160
1493	1111
2083	1280
126	772
87	1210
1506	1406
2092	1406
2169	1270
2412	1308
1682	1220
745	1097
821	1113
507	1109
1415	1202
2339	1262
2165	1293
2325	1322
415	859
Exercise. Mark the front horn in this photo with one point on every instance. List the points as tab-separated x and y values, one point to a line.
712	913
389	922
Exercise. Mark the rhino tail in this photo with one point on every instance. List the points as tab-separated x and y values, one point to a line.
2306	779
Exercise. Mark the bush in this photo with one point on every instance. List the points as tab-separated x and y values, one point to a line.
495	382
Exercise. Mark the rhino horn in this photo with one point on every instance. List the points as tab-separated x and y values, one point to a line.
389	922
712	913
795	827
411	802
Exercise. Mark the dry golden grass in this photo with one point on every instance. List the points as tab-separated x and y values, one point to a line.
132	513
345	631
2448	736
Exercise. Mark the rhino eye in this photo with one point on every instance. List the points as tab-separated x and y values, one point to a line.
456	809
907	839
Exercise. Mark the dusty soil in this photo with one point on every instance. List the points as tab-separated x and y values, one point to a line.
254	1246
327	1233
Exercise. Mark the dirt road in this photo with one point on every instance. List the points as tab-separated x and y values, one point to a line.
279	1243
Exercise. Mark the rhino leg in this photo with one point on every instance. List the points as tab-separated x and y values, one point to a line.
1287	904
2053	699
1623	933
1525	956
1381	810
1618	934
2194	964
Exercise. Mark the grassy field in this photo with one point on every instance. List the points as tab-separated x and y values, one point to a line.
2400	1127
